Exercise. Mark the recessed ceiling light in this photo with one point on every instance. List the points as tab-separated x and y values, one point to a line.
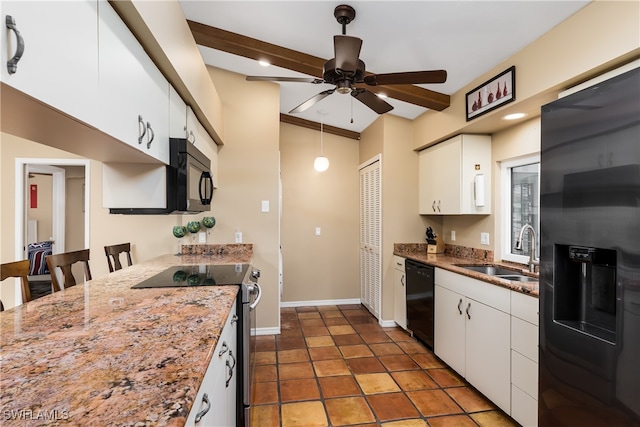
514	116
264	63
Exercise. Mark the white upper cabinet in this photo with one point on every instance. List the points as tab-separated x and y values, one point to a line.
455	177
59	64
133	94
198	136
177	115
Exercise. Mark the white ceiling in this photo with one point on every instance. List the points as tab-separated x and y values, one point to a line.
466	38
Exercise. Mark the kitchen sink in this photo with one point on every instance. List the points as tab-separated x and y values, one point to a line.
503	273
491	270
517	277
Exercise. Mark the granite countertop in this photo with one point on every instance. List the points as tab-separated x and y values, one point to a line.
101	353
417	252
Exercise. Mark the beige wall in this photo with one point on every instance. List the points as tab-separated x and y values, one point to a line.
603	35
248	174
321	267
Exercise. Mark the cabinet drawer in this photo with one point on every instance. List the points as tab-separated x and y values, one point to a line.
524	373
486	293
398	262
524	307
524	408
524	338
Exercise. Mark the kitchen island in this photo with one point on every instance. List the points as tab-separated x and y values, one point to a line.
101	353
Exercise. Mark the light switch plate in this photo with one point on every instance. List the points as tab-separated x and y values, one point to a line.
238	236
484	238
202	237
317	231
265	206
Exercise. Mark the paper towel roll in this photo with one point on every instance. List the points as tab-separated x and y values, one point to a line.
479	189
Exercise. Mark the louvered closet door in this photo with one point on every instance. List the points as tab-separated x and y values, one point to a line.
370	238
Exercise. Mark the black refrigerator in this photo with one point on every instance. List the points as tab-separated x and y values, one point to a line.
589	366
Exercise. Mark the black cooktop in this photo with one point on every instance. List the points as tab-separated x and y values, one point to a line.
197	275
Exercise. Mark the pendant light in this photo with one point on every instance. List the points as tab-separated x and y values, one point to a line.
321	163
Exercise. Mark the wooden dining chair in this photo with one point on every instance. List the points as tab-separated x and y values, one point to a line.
113	252
18	269
65	261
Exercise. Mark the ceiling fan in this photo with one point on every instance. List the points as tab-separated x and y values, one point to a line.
347	72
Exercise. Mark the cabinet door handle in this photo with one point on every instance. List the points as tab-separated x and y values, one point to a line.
199	415
468	307
224	348
438	205
12	64
231	367
433	206
150	135
142	129
402	280
459	306
234	319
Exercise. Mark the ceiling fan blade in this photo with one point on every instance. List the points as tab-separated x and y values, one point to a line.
311	101
410	77
371	100
284	79
347	52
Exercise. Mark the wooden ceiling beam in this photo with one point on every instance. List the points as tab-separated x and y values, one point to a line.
279	56
285	118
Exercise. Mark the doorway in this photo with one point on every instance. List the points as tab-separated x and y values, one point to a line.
65	223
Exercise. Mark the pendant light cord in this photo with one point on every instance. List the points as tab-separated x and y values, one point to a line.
322	136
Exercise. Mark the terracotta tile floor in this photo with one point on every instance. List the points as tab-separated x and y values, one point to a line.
336	366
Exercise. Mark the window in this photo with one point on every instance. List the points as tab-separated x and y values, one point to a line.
520	206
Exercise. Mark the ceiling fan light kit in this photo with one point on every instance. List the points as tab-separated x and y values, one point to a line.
347	72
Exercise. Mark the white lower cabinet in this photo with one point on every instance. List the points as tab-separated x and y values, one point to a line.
472	333
215	404
399	292
524	359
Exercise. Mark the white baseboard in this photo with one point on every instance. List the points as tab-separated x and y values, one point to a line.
315	303
268	331
387	323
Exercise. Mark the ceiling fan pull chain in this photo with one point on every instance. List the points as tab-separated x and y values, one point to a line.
352	109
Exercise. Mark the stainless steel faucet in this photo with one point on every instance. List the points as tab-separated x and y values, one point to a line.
533	261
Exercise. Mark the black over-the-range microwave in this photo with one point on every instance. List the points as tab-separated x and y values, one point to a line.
189	183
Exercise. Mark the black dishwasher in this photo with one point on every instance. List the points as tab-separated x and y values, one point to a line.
420	284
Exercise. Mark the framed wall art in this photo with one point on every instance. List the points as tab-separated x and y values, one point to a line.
492	94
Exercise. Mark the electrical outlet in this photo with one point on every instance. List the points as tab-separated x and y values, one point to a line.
238	236
453	235
484	238
317	231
